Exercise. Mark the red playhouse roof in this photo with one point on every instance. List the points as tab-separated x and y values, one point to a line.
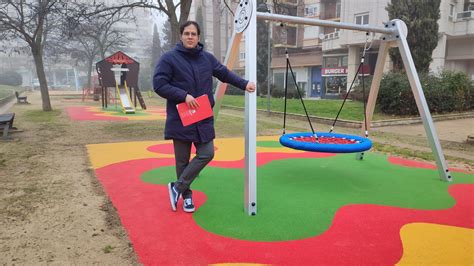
119	58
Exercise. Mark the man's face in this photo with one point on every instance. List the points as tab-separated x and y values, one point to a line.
190	37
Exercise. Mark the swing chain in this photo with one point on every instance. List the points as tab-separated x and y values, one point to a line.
367	44
367	47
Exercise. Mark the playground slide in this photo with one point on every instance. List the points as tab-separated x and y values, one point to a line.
124	97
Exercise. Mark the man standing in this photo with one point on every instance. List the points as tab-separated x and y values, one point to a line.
181	75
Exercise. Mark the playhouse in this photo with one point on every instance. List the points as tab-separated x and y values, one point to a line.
120	71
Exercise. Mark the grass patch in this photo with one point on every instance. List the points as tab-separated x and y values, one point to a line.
40	116
409	153
107	249
6	90
134	129
352	110
386	148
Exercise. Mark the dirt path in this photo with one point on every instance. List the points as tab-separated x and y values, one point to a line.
52	208
455	130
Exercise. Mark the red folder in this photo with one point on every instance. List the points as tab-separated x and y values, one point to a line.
190	116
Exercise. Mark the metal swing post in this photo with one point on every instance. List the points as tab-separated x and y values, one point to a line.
420	99
250	191
245	20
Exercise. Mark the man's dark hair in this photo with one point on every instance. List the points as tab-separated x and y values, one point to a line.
187	23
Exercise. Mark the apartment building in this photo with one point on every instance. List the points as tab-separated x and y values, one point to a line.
455	50
342	48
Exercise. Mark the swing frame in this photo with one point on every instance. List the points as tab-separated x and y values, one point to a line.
394	35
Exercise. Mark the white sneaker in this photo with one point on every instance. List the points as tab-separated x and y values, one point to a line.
174	195
188	205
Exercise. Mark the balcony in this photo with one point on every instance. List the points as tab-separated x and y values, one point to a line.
331	41
332	35
464	23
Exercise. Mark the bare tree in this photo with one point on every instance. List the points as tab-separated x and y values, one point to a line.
98	36
168	7
87	51
32	21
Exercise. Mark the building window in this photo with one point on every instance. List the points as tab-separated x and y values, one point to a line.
331	62
362	19
344	61
302	88
335	84
242	56
279	80
311	11
452	12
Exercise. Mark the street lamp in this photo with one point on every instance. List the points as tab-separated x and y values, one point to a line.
264	8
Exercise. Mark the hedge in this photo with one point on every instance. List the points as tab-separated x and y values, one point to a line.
451	91
10	78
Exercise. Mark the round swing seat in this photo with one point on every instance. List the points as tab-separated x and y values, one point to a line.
326	142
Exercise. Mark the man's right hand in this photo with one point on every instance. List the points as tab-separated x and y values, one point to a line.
191	102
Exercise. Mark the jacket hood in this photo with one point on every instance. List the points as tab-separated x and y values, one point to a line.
193	51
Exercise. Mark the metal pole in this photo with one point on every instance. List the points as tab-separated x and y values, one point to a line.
269	67
250	187
323	23
420	100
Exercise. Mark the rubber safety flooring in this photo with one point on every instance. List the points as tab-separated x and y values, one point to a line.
312	208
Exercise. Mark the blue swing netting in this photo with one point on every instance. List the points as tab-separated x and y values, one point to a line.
325	142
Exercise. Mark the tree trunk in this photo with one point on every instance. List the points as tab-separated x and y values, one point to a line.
90	61
38	57
174	31
185	7
102	53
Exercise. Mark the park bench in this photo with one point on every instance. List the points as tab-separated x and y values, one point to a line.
20	99
6	125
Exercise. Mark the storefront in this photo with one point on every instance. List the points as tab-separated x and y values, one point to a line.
335	72
335	81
